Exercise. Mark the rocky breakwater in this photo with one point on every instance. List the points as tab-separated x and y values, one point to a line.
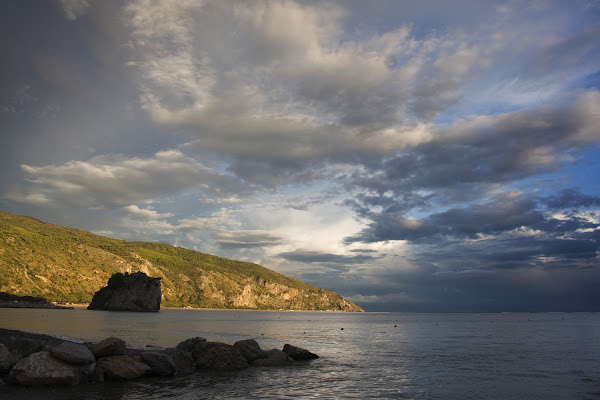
128	292
28	359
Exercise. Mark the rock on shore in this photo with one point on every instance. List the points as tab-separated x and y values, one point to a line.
29	359
128	292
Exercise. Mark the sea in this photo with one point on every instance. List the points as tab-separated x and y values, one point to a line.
362	355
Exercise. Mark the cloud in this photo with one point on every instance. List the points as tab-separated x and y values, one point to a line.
571	198
146	213
466	159
117	181
287	86
74	9
316	257
248	239
431	158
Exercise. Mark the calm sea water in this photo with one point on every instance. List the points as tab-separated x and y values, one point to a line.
375	355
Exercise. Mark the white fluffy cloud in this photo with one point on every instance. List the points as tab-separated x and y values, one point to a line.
118	181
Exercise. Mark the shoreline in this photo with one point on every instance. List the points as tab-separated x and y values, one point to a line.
27	304
37	359
70	306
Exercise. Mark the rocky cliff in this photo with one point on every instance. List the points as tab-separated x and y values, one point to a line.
129	292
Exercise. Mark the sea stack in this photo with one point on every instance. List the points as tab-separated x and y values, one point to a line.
128	292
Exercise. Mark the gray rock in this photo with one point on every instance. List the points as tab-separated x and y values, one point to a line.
220	356
134	352
184	361
111	346
26	343
7	359
250	349
190	344
97	376
129	292
275	358
298	353
43	369
23	347
162	364
73	353
122	368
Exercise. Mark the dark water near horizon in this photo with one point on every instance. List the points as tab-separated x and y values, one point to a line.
376	355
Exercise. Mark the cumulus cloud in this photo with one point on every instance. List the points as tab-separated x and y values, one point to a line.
287	86
74	8
118	181
146	213
248	238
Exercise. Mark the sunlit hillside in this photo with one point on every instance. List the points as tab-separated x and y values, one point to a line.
70	265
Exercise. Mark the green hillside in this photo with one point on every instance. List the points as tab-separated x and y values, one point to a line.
70	265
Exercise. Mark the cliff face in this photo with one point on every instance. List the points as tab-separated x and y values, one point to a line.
135	292
66	264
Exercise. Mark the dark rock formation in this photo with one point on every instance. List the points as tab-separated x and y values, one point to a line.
250	349
275	358
190	344
23	344
43	369
161	363
219	356
183	360
111	346
64	362
73	353
298	353
23	347
129	292
7	359
122	368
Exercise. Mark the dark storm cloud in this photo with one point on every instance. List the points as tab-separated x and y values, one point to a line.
312	257
467	159
566	53
571	198
488	150
248	239
504	213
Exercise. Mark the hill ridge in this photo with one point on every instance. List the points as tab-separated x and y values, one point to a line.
66	264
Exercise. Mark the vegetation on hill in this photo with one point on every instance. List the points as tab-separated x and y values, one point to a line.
70	265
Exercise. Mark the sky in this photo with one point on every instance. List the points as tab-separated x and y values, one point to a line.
412	156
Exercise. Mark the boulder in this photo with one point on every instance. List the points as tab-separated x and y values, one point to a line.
298	353
73	353
129	292
250	349
190	344
23	347
43	369
111	346
7	359
23	344
184	361
122	368
275	358
219	356
162	364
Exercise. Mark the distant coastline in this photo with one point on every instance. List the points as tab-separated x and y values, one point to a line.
70	306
